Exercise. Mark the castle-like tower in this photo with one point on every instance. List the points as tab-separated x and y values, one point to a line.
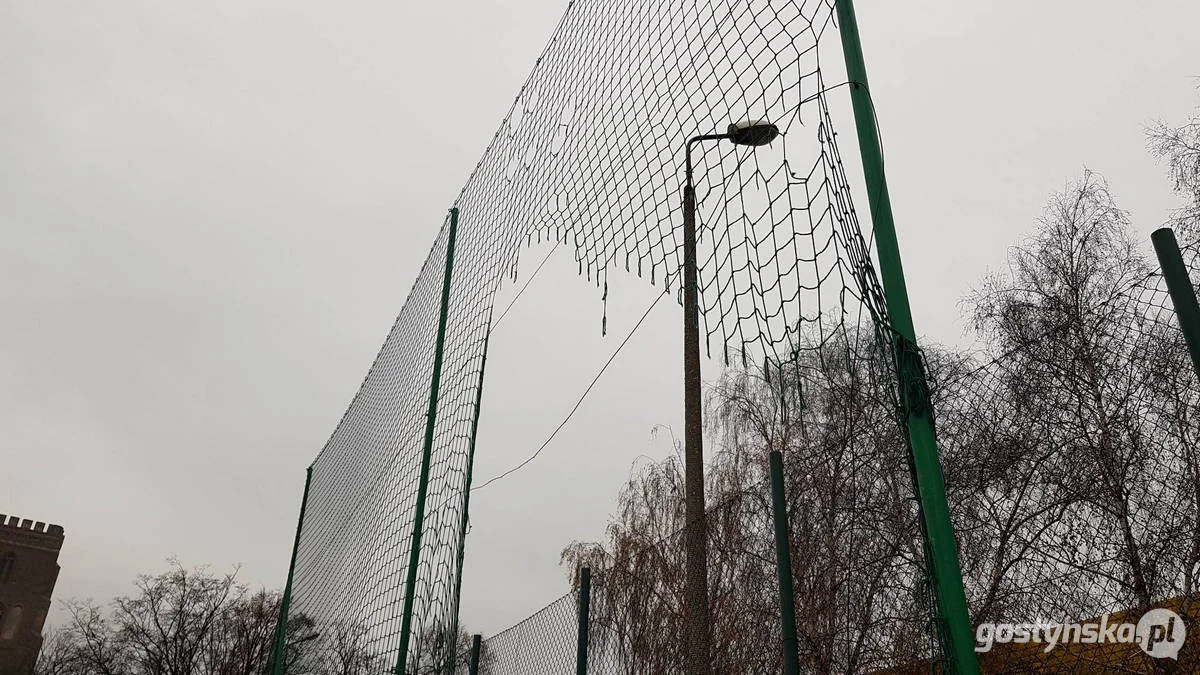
28	570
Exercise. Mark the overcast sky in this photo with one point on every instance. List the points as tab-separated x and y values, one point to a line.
210	215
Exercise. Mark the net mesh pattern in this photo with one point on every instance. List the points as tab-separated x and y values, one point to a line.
1047	541
1072	472
590	156
856	608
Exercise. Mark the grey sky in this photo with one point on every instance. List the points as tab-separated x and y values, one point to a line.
209	217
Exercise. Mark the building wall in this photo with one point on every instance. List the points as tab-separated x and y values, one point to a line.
28	571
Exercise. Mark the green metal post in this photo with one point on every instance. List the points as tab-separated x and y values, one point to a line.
279	653
414	556
783	562
462	537
1179	285
475	645
946	574
585	601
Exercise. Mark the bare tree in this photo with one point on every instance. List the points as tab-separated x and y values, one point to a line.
302	654
1179	147
180	622
167	625
1067	318
344	650
1005	484
241	639
59	654
96	644
437	649
856	550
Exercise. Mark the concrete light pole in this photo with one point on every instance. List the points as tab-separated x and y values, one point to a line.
697	620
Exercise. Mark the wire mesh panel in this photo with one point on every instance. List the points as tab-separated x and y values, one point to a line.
637	612
857	608
1073	477
545	642
590	156
860	597
1072	463
636	605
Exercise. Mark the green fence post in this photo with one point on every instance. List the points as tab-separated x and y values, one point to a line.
585	600
783	562
462	537
423	485
946	574
475	644
279	652
1179	285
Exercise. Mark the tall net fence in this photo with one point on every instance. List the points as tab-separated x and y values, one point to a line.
590	156
1071	457
1058	528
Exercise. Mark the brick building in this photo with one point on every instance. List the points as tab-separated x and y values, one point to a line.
28	570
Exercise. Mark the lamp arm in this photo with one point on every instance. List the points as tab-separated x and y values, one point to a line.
687	153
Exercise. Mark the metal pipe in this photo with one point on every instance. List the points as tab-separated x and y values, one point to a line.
1179	285
585	600
475	647
946	574
279	653
462	536
423	484
783	562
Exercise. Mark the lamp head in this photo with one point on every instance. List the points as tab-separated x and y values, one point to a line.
753	133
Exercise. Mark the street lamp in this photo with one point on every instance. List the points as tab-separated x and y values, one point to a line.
697	621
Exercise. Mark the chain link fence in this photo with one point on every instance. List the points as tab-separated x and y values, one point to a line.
1074	519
